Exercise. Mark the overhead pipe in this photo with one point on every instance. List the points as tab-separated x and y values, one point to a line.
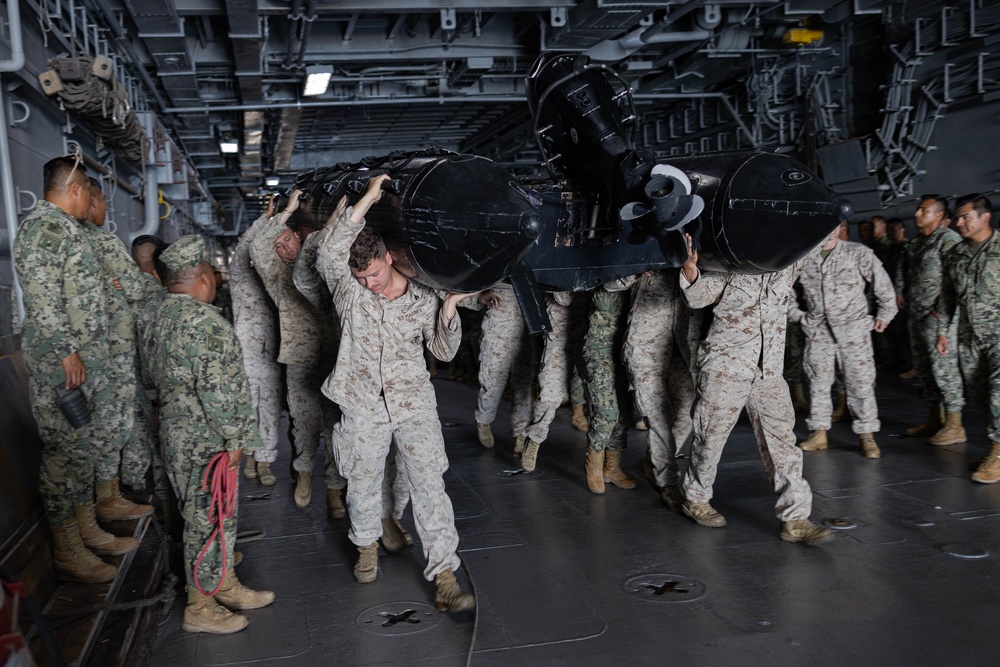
294	22
151	217
12	64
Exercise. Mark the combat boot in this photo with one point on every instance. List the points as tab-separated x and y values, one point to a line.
613	472
264	474
595	470
989	470
519	445
703	514
579	420
234	595
485	435
804	531
73	561
644	469
799	399
840	412
952	433
869	448
98	540
366	569
395	538
450	596
931	426
530	456
304	489
249	467
641	424
204	614
672	497
816	440
111	506
335	504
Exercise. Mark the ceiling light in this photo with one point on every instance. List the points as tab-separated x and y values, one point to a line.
228	145
317	80
272	181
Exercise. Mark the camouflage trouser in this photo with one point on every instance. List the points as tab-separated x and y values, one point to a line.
138	455
939	375
552	375
265	393
395	486
118	431
312	415
720	400
857	362
66	478
981	370
680	387
503	354
361	443
794	354
604	388
576	395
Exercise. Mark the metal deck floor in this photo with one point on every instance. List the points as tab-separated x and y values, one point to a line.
564	577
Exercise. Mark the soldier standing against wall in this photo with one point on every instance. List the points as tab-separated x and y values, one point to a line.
838	325
939	374
970	295
739	366
382	387
197	366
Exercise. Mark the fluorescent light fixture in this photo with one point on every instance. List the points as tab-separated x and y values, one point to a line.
228	145
317	80
272	181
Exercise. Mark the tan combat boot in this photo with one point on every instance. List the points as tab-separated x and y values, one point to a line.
595	470
840	412
485	434
366	569
519	445
204	614
613	472
303	489
869	448
111	506
579	420
335	508
264	474
395	538
952	433
804	531
98	540
530	456
799	399
641	424
989	470
931	426
234	595
703	514
73	561
249	467
450	596
816	440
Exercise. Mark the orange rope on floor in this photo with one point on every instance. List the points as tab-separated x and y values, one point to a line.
224	487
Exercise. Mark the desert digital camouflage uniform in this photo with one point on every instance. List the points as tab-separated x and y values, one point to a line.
838	324
307	349
256	325
739	365
605	382
970	303
553	372
505	353
65	304
657	330
205	409
919	278
384	392
578	318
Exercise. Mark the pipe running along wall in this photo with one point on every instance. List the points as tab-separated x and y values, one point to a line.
13	64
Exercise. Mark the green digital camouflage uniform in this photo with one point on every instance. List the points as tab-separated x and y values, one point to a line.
197	366
970	299
605	383
919	278
65	312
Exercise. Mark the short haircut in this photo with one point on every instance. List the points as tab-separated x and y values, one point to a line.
59	172
866	222
980	204
158	265
940	203
188	275
368	246
894	221
147	238
877	217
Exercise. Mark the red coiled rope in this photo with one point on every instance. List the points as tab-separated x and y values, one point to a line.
224	487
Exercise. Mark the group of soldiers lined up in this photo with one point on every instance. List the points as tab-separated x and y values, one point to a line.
326	325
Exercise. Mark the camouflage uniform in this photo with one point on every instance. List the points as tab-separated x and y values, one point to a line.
574	345
921	275
838	325
658	322
307	350
256	325
383	389
605	382
970	302
739	366
553	373
65	312
504	353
